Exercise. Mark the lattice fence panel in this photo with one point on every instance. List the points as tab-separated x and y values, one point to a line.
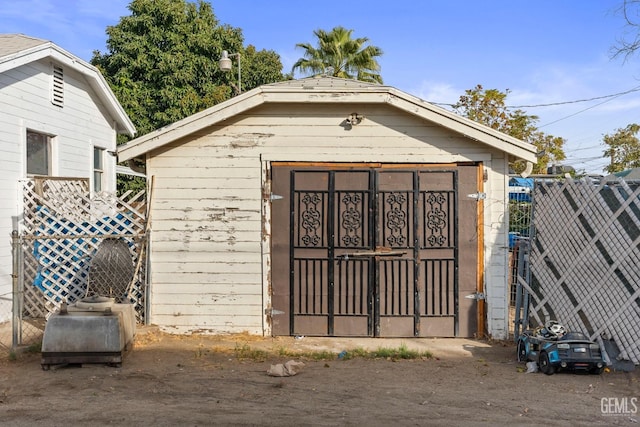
63	230
584	259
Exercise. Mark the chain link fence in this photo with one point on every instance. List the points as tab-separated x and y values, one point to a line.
520	211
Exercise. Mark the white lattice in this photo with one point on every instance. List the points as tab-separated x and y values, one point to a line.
62	231
584	259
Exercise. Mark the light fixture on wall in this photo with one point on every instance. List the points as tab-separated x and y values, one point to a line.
225	65
354	119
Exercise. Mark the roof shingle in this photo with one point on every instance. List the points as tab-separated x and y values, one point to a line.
14	43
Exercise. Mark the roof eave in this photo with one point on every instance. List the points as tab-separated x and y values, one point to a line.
290	94
159	137
470	128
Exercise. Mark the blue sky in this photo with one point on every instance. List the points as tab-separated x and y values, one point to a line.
543	51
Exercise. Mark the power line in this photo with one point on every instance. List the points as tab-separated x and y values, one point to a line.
576	113
635	89
551	104
606	98
586	148
585	159
609	98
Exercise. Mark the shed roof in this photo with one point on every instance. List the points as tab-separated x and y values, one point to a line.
632	174
326	90
19	49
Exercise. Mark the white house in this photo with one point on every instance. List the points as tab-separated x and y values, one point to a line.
329	207
58	118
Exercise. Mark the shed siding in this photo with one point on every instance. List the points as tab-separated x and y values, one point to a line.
207	238
81	124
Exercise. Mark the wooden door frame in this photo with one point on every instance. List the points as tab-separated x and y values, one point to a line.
481	309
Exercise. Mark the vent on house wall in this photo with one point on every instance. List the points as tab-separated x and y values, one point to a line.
57	92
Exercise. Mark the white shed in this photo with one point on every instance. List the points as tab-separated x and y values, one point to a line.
59	118
329	207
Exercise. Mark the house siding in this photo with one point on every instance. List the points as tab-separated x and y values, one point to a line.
78	126
210	242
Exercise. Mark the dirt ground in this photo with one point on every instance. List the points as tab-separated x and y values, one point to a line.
168	380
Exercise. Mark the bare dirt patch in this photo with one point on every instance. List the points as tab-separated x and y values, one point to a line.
169	380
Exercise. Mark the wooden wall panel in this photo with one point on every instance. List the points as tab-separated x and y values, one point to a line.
209	196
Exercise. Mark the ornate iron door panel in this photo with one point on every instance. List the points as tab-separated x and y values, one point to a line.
437	252
365	252
395	288
353	233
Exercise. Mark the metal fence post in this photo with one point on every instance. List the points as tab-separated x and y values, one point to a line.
17	282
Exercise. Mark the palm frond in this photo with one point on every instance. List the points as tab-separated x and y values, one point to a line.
348	57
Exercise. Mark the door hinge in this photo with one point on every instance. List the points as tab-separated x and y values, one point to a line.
476	296
273	197
272	311
478	196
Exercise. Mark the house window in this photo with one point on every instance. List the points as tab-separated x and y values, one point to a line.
98	168
57	87
38	154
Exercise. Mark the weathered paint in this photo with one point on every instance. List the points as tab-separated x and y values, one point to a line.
196	254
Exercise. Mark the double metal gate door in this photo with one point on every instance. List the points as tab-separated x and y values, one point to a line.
370	251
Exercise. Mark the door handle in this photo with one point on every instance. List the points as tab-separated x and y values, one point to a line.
373	254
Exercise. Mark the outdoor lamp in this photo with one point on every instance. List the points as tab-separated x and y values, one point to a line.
225	65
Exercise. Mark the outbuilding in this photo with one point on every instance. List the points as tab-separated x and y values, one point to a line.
328	207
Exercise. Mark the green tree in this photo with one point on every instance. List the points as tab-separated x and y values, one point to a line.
260	67
624	149
488	106
160	60
162	63
349	58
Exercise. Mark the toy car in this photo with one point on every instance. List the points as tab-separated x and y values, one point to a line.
554	349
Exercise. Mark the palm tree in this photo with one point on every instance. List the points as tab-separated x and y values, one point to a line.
338	51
